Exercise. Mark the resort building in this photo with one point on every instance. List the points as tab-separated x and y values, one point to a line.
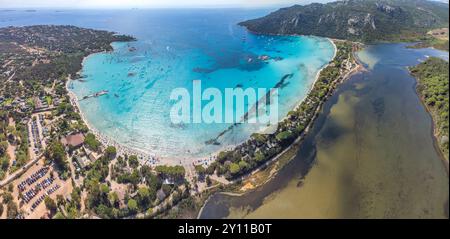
74	140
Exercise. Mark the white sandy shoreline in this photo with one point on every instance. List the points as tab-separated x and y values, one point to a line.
146	156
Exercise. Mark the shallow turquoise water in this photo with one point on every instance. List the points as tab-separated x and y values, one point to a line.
136	112
175	47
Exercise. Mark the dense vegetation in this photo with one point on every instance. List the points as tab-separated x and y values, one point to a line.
4	156
433	79
15	136
146	188
56	153
360	20
11	207
64	39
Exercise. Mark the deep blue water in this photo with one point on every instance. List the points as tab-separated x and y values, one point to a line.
175	47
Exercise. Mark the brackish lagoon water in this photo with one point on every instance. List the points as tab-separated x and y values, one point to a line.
174	48
370	153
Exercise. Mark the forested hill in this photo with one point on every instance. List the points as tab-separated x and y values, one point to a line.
360	20
64	39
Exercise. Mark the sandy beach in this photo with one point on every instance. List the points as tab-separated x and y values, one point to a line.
151	159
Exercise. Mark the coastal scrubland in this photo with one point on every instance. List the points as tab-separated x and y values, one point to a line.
432	85
436	38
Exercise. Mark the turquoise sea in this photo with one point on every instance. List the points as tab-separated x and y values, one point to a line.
174	48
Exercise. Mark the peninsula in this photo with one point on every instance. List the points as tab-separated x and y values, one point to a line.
432	87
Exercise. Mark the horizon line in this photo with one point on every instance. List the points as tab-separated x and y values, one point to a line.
230	6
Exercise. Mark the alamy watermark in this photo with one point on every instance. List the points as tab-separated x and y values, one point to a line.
212	106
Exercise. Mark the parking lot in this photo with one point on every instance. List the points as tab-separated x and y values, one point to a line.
36	134
31	188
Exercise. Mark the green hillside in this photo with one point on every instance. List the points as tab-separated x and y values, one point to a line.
359	20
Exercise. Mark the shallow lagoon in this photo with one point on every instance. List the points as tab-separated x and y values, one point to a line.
370	154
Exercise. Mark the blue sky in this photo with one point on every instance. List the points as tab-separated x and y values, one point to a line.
147	3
